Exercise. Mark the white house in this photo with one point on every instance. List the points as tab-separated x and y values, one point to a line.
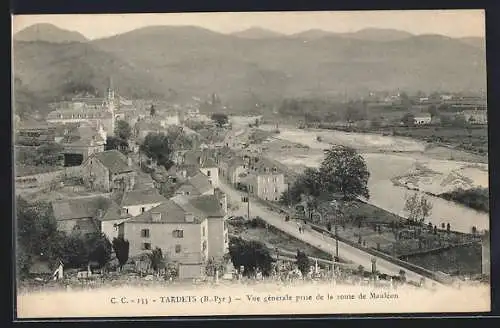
135	202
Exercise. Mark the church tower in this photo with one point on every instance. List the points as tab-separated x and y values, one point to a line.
110	104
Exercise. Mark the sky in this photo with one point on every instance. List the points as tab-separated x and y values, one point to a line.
452	23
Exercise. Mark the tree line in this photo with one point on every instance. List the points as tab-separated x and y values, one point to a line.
39	240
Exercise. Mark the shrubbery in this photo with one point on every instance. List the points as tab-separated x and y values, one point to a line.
477	198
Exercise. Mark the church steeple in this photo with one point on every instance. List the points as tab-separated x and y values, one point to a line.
111	91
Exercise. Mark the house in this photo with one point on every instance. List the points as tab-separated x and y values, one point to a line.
423	119
214	207
180	229
209	168
109	171
232	169
264	180
80	143
78	214
196	186
112	218
476	116
135	202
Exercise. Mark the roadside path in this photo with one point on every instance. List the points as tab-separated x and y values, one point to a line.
314	238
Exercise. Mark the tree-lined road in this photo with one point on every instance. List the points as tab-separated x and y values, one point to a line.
314	238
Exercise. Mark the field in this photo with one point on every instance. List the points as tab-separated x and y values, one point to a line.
474	139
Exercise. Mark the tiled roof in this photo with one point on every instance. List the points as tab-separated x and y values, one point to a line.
114	212
188	189
200	182
115	161
76	208
208	204
185	202
140	197
169	210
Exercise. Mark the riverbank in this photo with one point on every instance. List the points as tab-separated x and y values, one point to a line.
384	165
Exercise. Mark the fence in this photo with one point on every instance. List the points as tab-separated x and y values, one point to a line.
419	270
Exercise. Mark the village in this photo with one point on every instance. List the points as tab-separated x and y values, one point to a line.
158	192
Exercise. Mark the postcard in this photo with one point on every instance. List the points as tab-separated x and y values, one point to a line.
260	163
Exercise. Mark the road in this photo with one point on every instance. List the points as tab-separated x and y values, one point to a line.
314	238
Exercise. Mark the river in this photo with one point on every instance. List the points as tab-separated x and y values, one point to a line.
383	166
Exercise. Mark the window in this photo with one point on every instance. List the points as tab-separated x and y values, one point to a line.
275	189
178	234
177	248
143	209
208	173
145	233
126	210
275	179
203	231
146	246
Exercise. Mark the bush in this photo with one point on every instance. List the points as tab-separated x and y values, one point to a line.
477	198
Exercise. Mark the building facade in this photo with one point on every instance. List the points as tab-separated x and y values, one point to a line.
136	202
109	171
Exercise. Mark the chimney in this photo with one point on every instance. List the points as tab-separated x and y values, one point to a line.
189	217
156	216
100	213
123	212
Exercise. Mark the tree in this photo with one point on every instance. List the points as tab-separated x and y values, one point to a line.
443	225
418	208
303	262
220	119
121	248
329	226
448	227
344	171
252	255
435	230
433	111
429	225
152	111
158	147
157	260
408	120
98	248
474	230
123	130
116	143
37	234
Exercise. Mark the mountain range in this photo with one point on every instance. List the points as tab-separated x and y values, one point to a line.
255	64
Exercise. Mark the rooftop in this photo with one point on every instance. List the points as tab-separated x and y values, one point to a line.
139	197
114	212
202	206
78	208
170	212
115	161
200	182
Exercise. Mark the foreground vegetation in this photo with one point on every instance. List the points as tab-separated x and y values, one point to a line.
477	198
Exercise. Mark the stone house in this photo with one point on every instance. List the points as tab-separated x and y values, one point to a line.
78	214
181	229
109	171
